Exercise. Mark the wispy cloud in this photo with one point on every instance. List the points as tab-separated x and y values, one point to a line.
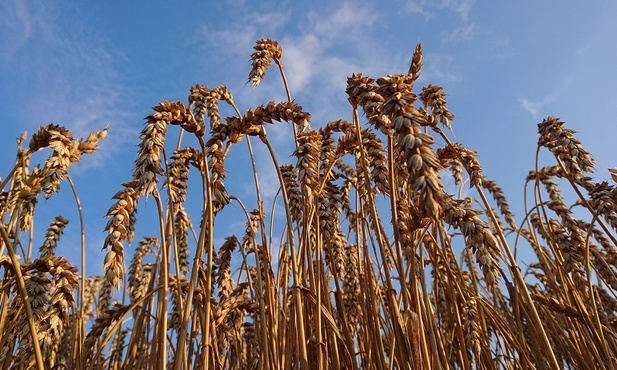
302	54
428	9
500	48
320	49
464	33
306	51
419	7
78	88
460	7
440	67
535	106
334	44
18	23
237	36
346	17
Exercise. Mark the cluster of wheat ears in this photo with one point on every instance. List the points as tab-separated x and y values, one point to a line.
377	265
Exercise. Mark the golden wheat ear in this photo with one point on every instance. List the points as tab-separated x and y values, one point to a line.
373	263
265	49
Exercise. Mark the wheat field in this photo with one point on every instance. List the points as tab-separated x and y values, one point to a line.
367	258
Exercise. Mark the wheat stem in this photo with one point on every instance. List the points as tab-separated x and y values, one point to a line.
24	295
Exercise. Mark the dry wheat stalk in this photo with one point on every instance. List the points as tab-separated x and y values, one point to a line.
378	266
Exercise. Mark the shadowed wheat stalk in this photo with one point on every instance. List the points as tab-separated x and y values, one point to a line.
364	260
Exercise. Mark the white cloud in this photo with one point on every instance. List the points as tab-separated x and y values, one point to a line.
534	106
15	17
320	50
333	45
464	33
348	17
440	67
500	49
78	88
418	6
530	106
300	55
236	39
312	54
240	35
460	7
428	8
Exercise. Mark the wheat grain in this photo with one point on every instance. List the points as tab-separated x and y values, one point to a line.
136	280
265	49
416	64
56	228
120	226
223	271
308	153
289	174
362	91
197	101
502	203
57	164
471	327
567	148
181	228
433	97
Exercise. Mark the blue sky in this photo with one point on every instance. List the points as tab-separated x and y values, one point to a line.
504	65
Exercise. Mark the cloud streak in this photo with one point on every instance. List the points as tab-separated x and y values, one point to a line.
464	33
440	67
19	23
534	106
78	88
428	8
237	37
